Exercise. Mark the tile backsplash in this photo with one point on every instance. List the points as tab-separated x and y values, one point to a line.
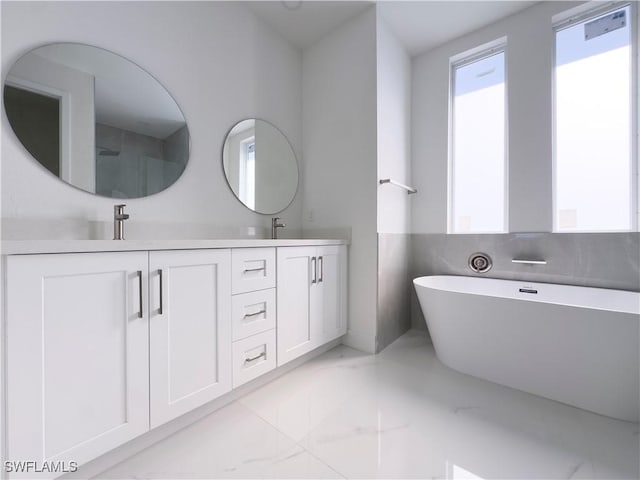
605	260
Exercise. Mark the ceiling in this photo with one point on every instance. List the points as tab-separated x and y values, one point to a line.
302	23
419	25
423	25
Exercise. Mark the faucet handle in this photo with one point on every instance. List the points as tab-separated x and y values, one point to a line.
118	212
274	227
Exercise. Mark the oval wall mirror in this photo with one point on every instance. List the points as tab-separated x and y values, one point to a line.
96	120
260	166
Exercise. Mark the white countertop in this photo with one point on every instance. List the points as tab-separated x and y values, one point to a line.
25	247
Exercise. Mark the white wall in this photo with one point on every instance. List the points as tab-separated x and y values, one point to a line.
339	177
219	62
394	128
529	72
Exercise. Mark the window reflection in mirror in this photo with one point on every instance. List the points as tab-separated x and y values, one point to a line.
240	155
260	166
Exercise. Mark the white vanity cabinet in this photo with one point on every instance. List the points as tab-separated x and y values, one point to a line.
311	293
77	354
102	347
189	330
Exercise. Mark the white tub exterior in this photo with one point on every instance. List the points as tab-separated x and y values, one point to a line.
576	345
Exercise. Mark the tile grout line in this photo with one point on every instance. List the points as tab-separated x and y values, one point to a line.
322	461
249	408
293	439
252	411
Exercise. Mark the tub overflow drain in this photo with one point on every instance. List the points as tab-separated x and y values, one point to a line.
480	262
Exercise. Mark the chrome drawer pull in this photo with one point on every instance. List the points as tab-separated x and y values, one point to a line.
262	355
139	273
247	315
253	269
315	270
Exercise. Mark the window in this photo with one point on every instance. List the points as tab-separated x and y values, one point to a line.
593	171
248	172
477	164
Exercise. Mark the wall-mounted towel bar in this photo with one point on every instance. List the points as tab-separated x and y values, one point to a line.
529	262
409	189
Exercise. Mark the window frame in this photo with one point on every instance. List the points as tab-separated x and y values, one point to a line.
244	145
468	57
567	20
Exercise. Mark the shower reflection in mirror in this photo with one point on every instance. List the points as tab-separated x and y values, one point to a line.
130	164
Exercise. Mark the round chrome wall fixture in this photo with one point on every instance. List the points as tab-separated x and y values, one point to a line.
480	262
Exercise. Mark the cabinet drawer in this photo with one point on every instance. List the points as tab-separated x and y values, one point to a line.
253	269
253	312
253	357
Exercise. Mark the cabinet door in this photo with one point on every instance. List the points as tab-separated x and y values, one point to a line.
296	332
190	330
77	354
331	309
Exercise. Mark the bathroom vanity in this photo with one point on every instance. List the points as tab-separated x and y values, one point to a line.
106	340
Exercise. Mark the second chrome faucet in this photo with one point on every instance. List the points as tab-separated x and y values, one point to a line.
118	221
275	226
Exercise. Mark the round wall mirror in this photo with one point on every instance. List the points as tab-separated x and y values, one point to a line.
96	120
260	166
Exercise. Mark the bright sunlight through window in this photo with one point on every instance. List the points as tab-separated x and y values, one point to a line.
593	187
248	172
477	170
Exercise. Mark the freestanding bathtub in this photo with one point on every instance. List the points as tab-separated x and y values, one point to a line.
576	345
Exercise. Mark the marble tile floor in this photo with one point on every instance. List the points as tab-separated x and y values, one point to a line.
400	414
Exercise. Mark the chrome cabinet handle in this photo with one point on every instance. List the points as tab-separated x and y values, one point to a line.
315	270
140	312
321	261
247	315
161	300
253	269
262	355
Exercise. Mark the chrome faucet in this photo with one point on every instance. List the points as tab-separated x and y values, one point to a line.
275	226
118	221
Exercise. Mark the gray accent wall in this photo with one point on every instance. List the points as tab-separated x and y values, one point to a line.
605	260
394	287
